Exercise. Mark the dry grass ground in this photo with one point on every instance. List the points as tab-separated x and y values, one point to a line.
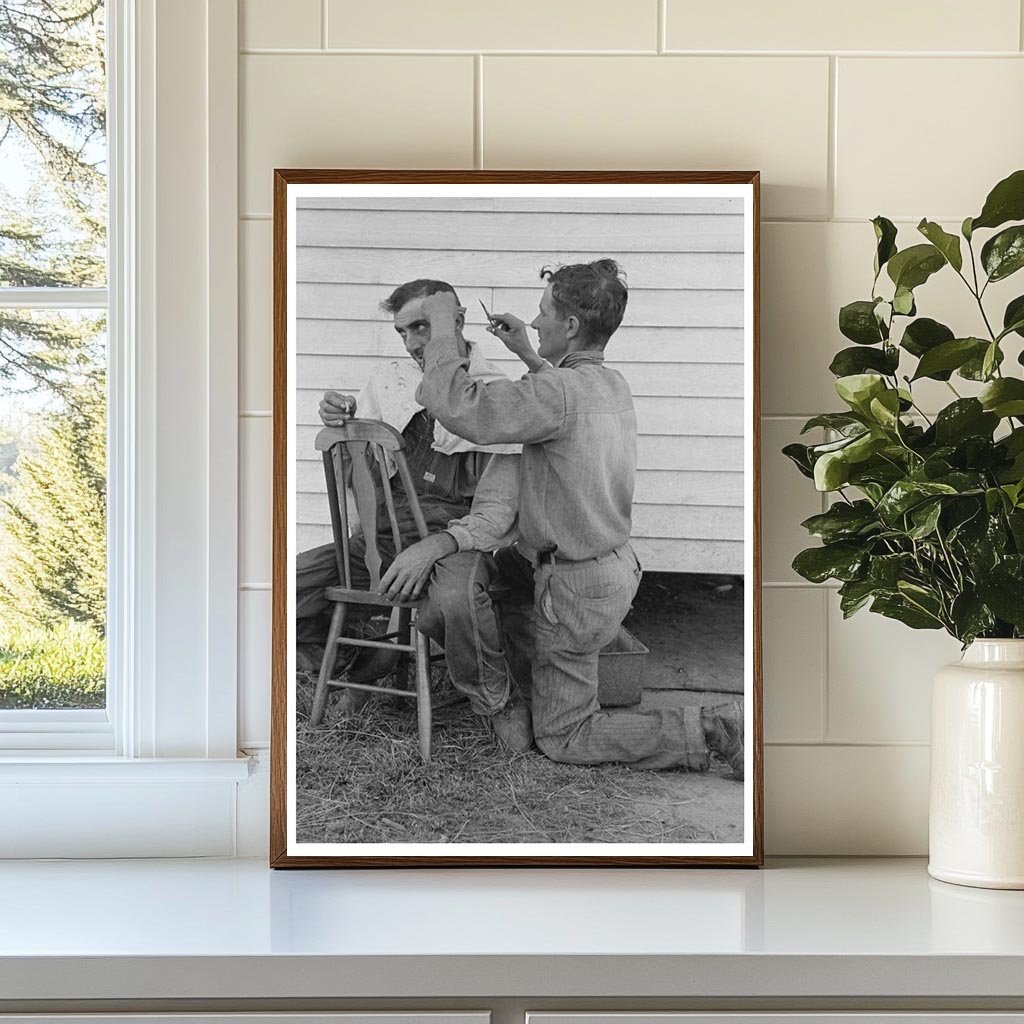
360	778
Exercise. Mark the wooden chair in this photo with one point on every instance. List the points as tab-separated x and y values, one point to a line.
347	454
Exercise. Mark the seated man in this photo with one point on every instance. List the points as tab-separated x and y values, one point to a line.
445	469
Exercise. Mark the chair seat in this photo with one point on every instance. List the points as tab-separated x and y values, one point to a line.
368	597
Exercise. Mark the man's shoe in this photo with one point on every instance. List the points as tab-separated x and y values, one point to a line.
512	727
723	732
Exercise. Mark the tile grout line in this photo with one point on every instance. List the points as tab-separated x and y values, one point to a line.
478	111
1020	22
833	135
323	24
662	42
785	221
257	51
825	651
848	744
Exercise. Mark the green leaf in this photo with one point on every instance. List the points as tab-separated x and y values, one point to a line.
885	409
887	570
1013	318
1003	593
1004	397
923	335
854	595
831	471
817	450
964	482
1005	202
872	491
925	518
990	361
966	417
1014	441
907	494
970	617
950	355
850	361
994	499
799	455
842	521
912	267
858	389
841	421
947	244
1003	254
885	236
840	561
899	608
965	228
864	446
857	321
903	302
974	368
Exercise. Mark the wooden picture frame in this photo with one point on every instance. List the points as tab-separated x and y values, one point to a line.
728	197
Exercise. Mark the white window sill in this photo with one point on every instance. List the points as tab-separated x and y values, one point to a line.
77	766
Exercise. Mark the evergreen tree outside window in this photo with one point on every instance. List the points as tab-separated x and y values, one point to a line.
53	359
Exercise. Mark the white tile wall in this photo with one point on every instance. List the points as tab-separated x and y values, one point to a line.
971	110
838	139
260	25
473	25
253	661
873	25
351	111
693	113
795	639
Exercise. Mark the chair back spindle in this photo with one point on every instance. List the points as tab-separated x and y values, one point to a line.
347	451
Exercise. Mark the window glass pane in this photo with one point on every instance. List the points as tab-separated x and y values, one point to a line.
52	508
53	151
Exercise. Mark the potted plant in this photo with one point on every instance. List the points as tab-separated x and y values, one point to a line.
927	521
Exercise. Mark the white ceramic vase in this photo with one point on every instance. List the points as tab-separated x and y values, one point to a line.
976	815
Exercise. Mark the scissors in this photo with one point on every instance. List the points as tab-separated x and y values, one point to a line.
493	321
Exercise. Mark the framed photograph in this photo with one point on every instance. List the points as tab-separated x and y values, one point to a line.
516	608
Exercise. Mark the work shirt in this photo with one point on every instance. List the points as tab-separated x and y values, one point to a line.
578	428
492	521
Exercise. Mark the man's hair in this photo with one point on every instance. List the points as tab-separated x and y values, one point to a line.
418	289
595	293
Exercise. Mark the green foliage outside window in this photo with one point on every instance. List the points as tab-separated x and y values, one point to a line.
52	365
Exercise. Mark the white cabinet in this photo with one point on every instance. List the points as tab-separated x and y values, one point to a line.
786	1017
362	1017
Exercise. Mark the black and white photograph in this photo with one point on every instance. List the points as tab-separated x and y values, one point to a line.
516	569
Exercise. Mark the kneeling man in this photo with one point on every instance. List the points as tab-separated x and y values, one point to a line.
576	421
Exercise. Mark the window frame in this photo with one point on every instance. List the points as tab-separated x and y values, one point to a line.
60	730
170	743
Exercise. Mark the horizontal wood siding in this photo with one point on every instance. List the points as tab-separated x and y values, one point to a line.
680	347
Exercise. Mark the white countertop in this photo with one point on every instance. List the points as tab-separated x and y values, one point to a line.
234	928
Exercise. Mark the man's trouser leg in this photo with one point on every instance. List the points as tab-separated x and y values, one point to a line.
316	570
576	612
515	575
458	614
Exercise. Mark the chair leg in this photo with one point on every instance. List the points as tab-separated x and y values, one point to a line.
423	692
404	637
327	665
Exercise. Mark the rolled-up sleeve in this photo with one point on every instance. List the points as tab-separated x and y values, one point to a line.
530	410
492	519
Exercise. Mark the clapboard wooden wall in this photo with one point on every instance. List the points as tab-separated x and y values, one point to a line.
680	346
